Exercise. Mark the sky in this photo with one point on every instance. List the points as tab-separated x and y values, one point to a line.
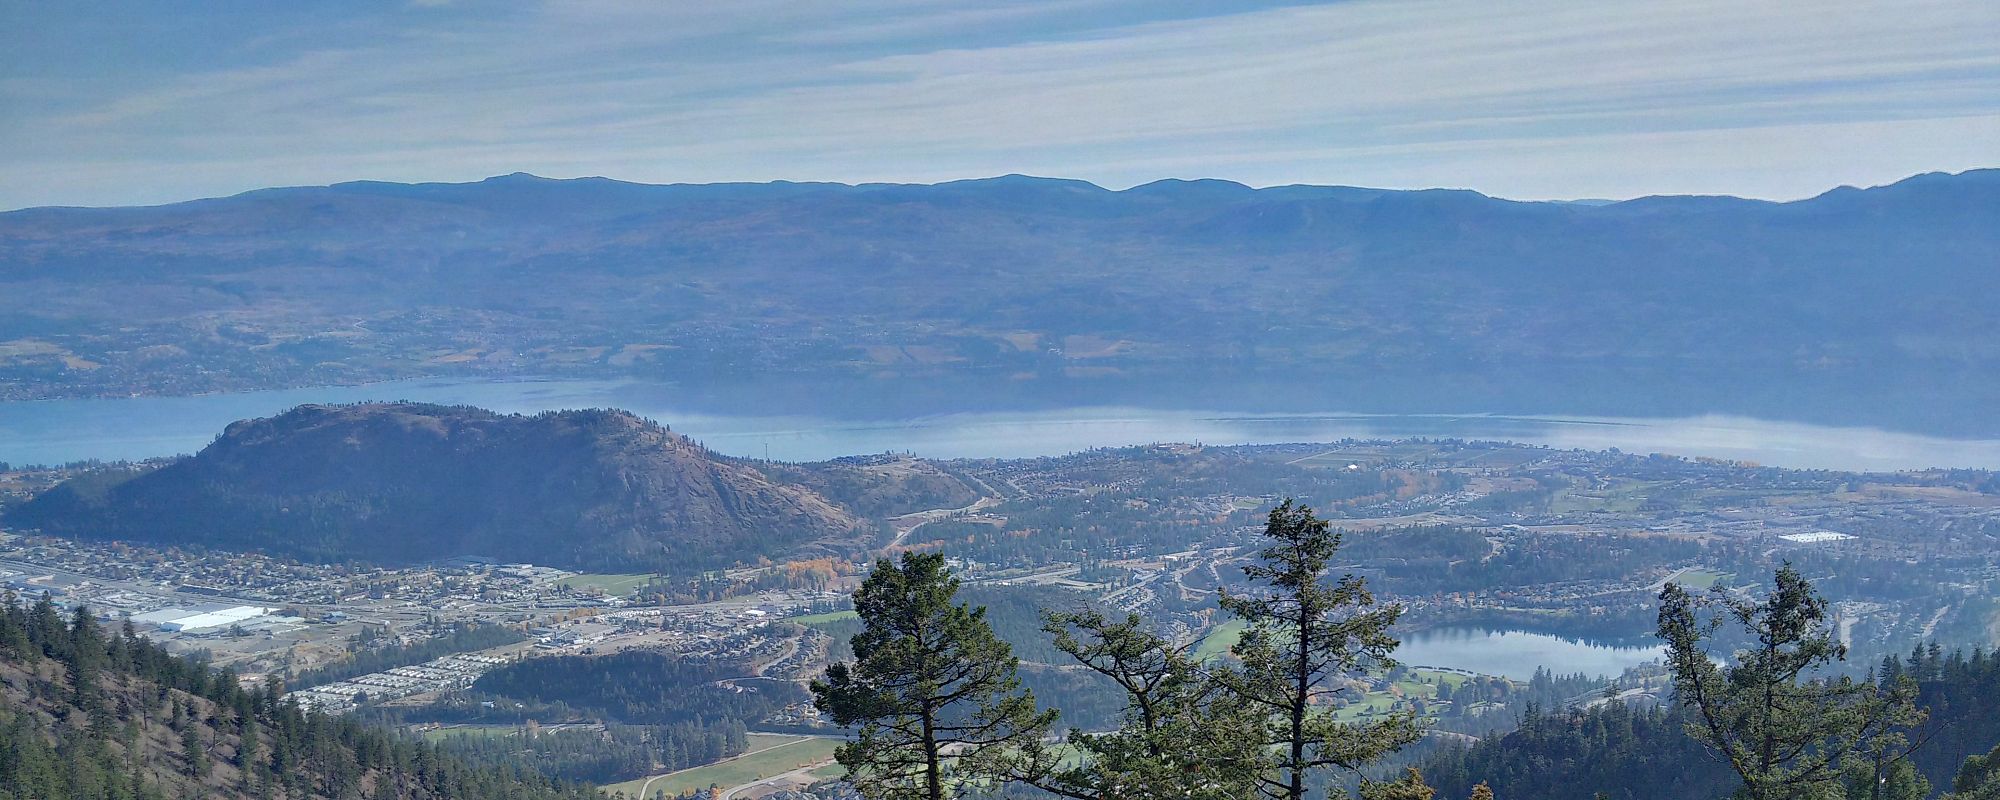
119	103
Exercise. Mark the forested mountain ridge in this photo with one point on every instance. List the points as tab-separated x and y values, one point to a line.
1030	286
398	483
107	715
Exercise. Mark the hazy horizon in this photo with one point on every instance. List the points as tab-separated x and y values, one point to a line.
1531	101
977	178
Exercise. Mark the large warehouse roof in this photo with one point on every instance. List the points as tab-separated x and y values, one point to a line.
185	619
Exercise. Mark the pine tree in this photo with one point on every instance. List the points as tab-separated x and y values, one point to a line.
934	692
1409	787
1184	737
1308	631
1978	778
1785	732
196	755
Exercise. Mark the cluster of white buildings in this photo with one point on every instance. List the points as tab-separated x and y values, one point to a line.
1815	537
442	674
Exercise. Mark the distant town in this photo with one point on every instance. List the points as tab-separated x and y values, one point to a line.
1596	535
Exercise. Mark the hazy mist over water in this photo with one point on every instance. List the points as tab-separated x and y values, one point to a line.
58	431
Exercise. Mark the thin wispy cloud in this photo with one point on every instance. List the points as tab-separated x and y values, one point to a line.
1529	99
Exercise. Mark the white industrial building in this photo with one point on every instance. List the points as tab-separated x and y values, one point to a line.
175	620
1815	537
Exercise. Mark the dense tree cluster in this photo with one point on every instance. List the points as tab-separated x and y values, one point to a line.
1628	753
603	755
1611	750
643	687
111	716
1776	720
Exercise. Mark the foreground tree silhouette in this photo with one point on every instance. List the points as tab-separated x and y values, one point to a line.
1788	732
934	691
1184	736
1306	633
1978	778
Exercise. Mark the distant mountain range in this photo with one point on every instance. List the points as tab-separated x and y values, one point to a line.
1859	305
400	483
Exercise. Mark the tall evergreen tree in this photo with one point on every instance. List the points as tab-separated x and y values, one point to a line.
1787	731
1184	736
1978	779
1307	631
934	692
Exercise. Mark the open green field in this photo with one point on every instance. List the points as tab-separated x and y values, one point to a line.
616	585
769	756
1218	641
1701	579
831	616
482	731
754	742
1623	497
1422	683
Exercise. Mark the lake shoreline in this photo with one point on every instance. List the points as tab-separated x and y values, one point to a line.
60	431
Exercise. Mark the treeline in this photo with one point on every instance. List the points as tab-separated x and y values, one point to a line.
811	575
603	755
641	687
1482	704
112	716
1962	691
461	638
1611	751
1627	753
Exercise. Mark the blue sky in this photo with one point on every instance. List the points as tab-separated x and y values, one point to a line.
143	102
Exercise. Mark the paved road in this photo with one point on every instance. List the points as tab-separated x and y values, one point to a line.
800	775
927	517
648	785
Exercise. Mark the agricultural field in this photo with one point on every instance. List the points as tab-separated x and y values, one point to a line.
1218	641
482	731
1701	579
768	757
821	619
616	585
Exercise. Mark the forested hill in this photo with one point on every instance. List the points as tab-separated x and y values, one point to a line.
107	715
395	483
1410	300
1621	753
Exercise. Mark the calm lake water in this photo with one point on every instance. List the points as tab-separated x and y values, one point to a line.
1517	654
57	431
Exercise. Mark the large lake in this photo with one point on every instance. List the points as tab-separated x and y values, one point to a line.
57	431
1517	654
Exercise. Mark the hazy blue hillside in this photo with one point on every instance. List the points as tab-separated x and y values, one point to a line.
401	482
1420	300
